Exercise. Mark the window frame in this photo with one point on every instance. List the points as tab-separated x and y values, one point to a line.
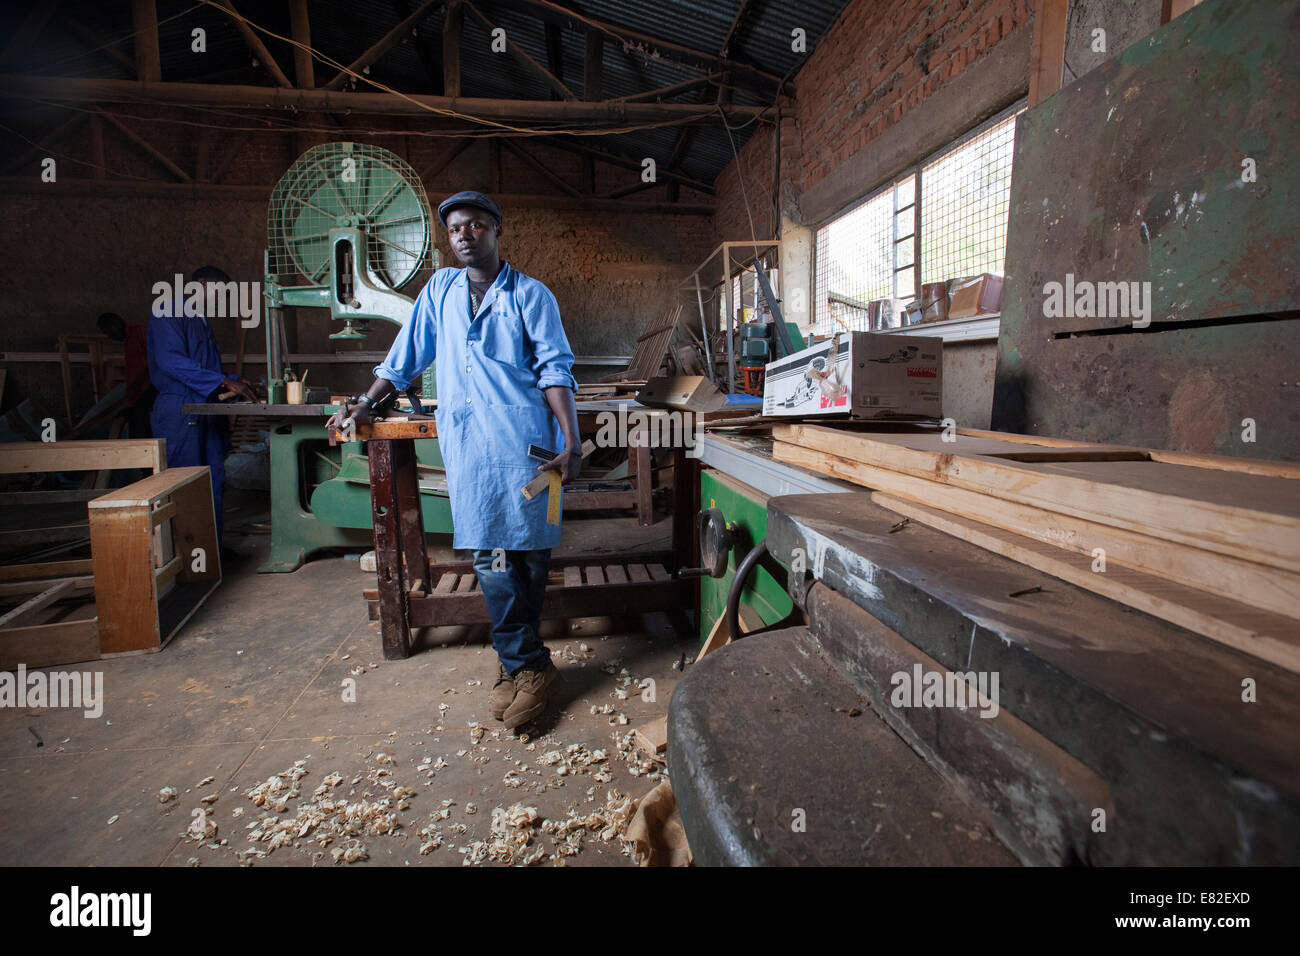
973	329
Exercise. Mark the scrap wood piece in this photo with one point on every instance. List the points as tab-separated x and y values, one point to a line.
720	634
1263	634
1248	516
653	737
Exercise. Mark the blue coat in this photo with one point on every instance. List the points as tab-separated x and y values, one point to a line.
185	366
492	368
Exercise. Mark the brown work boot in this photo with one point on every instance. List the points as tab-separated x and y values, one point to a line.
503	692
531	694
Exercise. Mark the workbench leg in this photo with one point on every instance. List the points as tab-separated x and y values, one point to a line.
394	600
686	507
410	524
645	480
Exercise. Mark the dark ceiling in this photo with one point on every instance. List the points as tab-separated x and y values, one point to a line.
94	40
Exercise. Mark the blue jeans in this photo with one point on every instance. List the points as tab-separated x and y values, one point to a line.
514	584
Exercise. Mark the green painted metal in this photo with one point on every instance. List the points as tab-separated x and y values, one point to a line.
1137	174
353	221
748	513
313	508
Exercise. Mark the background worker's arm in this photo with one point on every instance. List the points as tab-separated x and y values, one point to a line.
568	462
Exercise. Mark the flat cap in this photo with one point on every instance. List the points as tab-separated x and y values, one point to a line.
469	198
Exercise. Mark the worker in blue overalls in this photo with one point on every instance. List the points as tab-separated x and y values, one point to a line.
185	367
505	381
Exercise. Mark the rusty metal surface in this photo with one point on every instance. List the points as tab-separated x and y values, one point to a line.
1134	174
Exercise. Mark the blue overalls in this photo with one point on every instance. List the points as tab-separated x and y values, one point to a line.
492	369
185	366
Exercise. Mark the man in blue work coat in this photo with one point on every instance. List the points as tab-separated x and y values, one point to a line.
185	367
505	381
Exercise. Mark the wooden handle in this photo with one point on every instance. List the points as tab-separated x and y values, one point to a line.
543	479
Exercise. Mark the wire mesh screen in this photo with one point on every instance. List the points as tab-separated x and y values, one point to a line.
864	255
348	184
869	253
965	194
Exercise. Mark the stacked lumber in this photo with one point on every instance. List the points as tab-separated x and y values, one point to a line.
651	348
1208	543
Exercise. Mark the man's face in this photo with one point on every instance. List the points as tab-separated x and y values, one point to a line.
473	234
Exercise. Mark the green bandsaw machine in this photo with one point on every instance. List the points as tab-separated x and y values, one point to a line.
348	226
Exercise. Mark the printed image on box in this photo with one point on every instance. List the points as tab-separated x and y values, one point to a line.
862	375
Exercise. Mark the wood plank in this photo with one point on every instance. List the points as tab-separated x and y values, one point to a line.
46	645
446	583
638	572
1269	588
1194	506
1047	56
12	588
561	602
37	539
148	490
22	457
164	513
39	602
44	569
167	571
718	636
1270	637
658	572
615	574
24	499
1249	466
594	574
573	577
465	583
571	560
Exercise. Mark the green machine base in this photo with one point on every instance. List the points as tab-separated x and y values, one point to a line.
745	509
320	495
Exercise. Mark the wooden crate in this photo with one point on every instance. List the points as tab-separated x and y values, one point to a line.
143	593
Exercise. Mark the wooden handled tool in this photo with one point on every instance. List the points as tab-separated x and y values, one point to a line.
543	480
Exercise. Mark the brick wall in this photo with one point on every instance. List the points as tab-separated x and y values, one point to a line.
877	63
80	255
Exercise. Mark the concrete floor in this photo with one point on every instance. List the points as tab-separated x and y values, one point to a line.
255	682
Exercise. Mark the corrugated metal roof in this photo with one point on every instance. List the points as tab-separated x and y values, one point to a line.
343	30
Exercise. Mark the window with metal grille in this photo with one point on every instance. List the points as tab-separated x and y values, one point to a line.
870	252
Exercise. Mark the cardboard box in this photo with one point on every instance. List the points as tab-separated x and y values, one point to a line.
977	295
863	375
934	301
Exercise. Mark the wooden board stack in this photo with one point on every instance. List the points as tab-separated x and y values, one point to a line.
1209	543
651	348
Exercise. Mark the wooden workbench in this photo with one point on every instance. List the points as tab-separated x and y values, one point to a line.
411	593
